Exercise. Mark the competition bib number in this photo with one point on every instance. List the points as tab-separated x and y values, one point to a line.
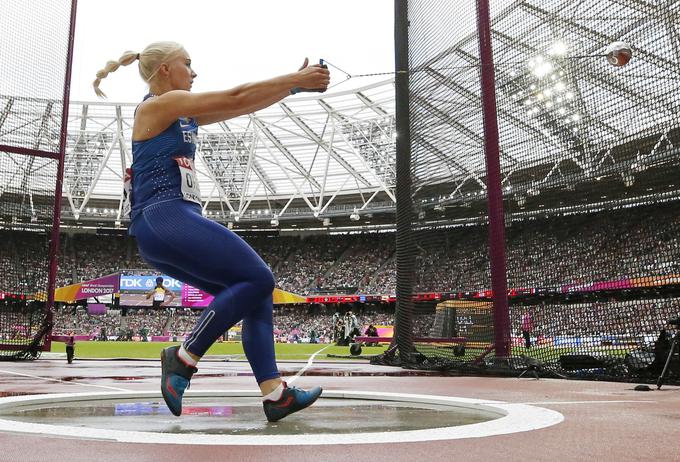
127	189
190	190
159	295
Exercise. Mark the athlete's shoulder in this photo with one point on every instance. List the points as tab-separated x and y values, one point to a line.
168	98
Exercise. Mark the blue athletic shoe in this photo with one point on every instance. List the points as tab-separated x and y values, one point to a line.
175	377
292	400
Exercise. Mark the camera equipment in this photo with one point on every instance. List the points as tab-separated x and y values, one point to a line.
355	349
674	346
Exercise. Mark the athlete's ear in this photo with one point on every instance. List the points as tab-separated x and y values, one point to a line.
164	69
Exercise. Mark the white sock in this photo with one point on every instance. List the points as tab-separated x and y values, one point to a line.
276	394
186	357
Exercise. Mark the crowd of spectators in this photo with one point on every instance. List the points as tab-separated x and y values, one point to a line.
620	320
183	320
629	319
308	262
292	324
357	266
91	259
24	259
147	321
75	320
23	262
540	253
641	242
552	252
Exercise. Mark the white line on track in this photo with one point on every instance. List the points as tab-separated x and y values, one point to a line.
62	381
540	403
307	366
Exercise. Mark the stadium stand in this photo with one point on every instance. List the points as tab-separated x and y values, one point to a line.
622	243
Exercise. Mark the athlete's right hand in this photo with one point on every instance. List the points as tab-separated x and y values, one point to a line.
313	78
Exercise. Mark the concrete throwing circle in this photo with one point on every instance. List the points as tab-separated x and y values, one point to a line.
494	418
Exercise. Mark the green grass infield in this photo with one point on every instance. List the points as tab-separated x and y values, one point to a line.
144	350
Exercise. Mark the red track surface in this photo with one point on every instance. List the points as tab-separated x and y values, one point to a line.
643	426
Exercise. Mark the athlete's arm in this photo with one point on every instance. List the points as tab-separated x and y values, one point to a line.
148	295
158	113
171	294
323	77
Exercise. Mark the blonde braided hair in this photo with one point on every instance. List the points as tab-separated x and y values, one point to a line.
150	61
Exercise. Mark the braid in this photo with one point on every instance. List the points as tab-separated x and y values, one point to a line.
126	59
150	61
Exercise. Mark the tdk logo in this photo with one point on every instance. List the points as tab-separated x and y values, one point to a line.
148	282
129	283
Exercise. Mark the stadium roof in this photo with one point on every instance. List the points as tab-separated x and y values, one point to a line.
310	149
561	106
563	122
309	152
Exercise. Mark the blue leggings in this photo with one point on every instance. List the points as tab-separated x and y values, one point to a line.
176	239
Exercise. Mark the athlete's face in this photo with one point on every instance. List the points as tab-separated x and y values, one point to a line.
180	72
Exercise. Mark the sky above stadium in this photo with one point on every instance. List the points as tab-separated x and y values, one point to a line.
232	42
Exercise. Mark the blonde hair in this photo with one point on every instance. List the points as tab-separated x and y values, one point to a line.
150	61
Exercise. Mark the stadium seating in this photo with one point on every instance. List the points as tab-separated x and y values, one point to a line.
540	253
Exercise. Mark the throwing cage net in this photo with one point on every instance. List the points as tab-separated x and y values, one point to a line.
36	49
538	185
